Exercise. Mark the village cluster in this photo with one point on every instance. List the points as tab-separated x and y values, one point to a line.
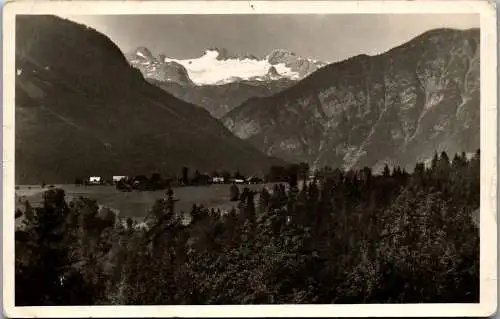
157	182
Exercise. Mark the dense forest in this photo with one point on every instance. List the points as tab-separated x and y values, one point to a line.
344	237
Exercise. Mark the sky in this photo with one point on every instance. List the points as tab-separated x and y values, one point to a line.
328	37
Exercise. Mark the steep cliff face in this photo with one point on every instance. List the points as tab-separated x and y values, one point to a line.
396	108
82	110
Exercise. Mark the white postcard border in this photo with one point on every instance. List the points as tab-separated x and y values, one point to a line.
488	199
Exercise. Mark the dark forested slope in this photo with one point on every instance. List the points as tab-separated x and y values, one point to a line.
81	110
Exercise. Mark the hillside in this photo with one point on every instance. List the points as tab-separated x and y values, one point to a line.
81	110
220	99
396	108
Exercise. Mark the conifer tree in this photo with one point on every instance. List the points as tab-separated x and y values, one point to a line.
234	193
387	171
264	200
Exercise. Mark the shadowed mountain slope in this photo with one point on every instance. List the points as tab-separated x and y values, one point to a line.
81	110
220	99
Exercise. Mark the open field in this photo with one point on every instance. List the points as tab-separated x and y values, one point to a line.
136	204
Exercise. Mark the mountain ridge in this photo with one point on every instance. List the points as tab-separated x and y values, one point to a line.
226	91
218	66
340	114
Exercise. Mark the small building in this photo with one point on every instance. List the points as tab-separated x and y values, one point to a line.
254	180
239	180
95	180
218	180
116	179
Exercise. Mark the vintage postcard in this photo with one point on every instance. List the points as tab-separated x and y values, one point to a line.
249	159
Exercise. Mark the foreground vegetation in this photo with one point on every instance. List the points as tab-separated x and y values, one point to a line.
346	237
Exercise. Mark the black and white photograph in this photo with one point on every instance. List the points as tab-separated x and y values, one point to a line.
291	154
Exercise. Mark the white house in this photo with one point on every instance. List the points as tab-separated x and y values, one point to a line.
218	180
239	181
118	178
95	179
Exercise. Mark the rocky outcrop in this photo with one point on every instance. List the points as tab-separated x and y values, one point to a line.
158	68
302	66
273	73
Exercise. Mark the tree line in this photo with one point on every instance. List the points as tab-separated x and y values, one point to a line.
343	237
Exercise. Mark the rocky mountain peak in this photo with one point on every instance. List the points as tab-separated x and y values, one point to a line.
174	72
160	68
144	53
300	65
280	56
273	73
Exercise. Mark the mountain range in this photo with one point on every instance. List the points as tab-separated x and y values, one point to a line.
82	110
218	66
85	108
220	80
396	108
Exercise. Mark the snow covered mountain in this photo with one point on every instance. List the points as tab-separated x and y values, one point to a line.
219	80
219	66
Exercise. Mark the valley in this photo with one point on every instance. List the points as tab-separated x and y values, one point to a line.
220	177
418	98
137	205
